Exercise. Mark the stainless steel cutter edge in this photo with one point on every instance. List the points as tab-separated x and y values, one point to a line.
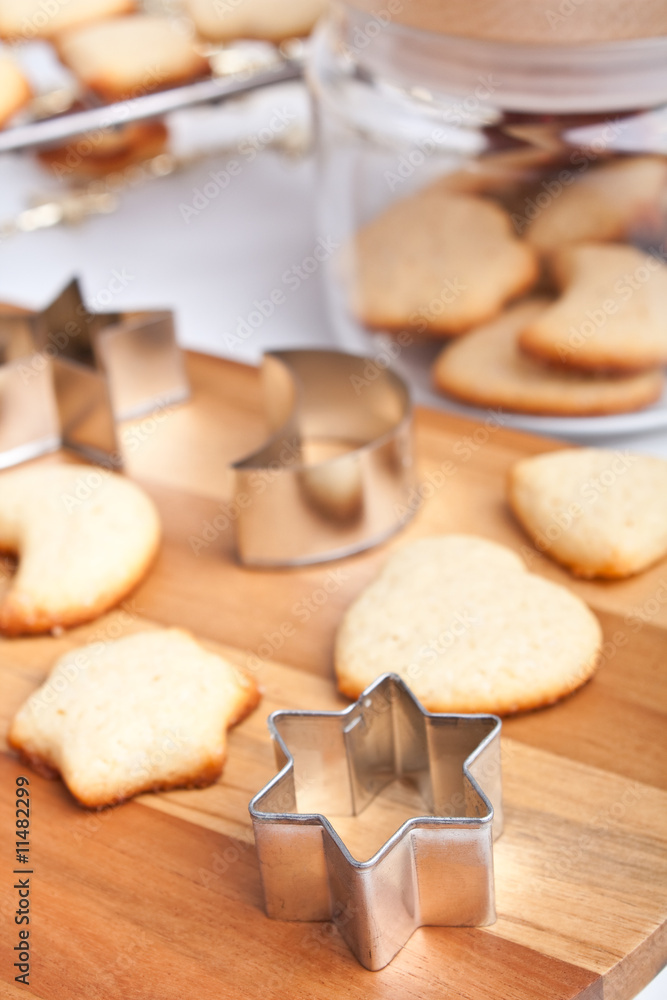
435	869
294	511
60	128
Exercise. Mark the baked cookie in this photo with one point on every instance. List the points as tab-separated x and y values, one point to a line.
496	173
438	263
486	368
84	537
600	513
262	19
142	713
26	19
612	314
602	203
464	623
130	56
14	89
114	151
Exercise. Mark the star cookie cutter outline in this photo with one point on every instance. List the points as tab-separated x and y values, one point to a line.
68	374
436	869
335	476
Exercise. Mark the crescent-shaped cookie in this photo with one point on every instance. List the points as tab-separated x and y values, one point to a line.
84	538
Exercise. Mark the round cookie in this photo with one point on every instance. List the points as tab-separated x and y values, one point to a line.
27	19
438	263
14	89
129	56
84	537
463	622
146	712
486	368
600	513
262	19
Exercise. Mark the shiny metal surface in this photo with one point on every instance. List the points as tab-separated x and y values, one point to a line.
335	476
53	131
85	415
27	402
143	363
67	375
436	868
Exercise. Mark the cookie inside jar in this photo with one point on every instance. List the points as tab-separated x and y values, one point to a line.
463	160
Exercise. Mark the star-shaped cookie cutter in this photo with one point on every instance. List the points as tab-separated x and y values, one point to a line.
68	374
436	869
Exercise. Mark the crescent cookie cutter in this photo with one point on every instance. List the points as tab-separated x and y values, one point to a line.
436	869
336	474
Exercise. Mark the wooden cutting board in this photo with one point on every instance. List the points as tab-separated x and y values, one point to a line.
160	897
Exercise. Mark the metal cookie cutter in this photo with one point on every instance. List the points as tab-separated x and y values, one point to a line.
90	370
437	868
335	476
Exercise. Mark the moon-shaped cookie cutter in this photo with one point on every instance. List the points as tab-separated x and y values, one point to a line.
335	476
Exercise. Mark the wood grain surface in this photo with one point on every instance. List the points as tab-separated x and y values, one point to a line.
160	897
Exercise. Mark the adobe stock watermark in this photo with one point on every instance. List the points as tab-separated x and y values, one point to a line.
140	770
363	35
569	859
379	363
565	9
248	149
301	611
458	113
553	187
643	614
79	661
428	654
464	449
46	10
132	439
91	143
636	619
292	279
622	290
229	511
58	340
420	320
589	493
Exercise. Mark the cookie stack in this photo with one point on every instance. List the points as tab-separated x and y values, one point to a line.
455	259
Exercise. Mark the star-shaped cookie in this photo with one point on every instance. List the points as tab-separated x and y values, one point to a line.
146	712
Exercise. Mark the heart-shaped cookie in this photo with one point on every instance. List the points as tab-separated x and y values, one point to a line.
600	513
464	623
438	263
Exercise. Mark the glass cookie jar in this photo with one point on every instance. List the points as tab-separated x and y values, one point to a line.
467	146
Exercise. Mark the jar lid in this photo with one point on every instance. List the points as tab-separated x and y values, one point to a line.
612	77
544	22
